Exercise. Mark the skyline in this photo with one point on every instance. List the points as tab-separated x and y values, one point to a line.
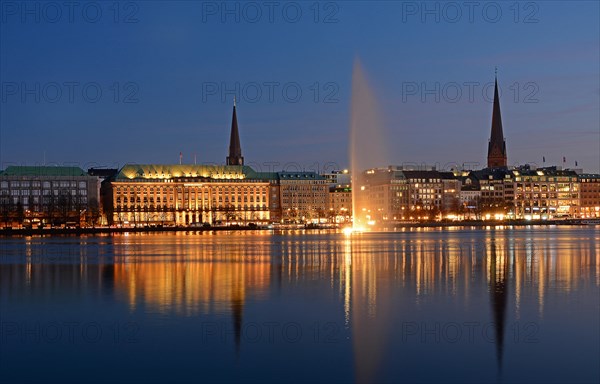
178	108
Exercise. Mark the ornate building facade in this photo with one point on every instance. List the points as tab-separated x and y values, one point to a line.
186	194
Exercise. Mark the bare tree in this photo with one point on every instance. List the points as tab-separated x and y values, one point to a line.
93	212
6	207
19	213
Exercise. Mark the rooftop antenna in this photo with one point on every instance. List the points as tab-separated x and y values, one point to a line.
180	156
234	100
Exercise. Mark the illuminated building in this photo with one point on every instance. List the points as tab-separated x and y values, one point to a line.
340	203
589	192
47	195
425	191
186	194
381	195
497	190
395	194
303	197
545	193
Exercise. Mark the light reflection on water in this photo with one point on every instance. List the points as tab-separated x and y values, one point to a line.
368	307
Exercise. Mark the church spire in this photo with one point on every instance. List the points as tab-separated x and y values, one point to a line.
497	146
235	149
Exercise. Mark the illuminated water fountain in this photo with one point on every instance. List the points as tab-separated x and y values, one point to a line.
367	147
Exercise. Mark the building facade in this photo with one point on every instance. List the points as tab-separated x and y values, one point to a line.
545	193
589	189
340	203
303	197
48	195
188	194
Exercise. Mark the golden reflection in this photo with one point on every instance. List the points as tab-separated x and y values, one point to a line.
379	279
190	279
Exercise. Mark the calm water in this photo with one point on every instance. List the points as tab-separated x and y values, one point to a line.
496	305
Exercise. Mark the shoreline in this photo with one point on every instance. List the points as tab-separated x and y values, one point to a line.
8	232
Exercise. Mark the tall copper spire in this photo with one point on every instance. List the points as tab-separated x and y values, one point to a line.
497	146
235	149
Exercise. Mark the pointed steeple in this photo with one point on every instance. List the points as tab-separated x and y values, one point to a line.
235	149
497	146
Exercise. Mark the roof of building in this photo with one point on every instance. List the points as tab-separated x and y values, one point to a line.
448	176
102	172
589	176
491	173
170	171
300	176
496	145
155	172
422	174
235	148
18	170
340	188
546	171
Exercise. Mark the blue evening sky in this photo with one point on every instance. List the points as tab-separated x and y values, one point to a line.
105	83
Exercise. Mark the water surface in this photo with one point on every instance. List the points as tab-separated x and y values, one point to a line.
453	305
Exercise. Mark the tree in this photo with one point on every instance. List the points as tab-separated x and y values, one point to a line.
64	207
93	212
19	213
6	207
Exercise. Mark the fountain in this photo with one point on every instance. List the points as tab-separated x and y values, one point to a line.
367	146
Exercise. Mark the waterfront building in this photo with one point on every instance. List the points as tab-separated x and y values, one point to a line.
589	192
545	193
340	203
303	197
105	176
381	195
451	188
497	191
185	194
394	194
48	195
425	192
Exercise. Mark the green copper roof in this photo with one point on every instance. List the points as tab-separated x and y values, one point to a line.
169	171
17	170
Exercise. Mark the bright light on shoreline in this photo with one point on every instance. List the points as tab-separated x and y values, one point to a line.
350	230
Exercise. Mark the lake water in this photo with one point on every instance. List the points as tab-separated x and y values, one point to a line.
426	305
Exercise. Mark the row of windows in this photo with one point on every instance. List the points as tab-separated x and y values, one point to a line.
45	192
26	201
44	184
193	207
224	189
